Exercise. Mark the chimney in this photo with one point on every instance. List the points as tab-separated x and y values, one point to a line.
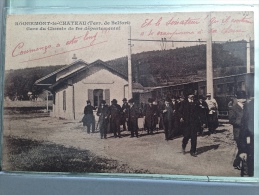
74	58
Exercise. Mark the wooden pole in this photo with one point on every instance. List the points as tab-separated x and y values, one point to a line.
248	60
209	67
47	94
129	66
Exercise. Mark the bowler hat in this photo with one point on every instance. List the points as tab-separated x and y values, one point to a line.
124	100
114	101
103	102
88	102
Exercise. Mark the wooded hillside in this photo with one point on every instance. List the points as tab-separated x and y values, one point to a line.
151	68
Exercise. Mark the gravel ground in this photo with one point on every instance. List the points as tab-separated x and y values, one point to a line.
40	156
35	142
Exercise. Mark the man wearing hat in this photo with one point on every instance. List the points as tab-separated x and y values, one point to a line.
88	119
189	117
168	114
178	124
115	114
132	117
149	114
203	109
246	138
235	115
124	107
103	113
176	105
212	114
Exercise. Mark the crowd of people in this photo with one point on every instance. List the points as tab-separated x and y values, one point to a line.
177	116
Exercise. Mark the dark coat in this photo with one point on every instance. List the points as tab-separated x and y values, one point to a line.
203	111
89	109
115	112
235	114
132	116
103	113
246	138
156	111
133	113
247	125
88	115
169	115
190	113
124	109
177	124
149	113
177	105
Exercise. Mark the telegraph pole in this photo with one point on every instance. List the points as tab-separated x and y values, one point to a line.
129	66
248	60
209	67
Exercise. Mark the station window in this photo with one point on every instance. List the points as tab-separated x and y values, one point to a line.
220	89
230	88
202	91
241	86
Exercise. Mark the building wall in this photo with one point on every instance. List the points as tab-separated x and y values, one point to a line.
103	79
98	78
63	109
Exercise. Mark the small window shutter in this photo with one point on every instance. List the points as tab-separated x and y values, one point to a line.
64	100
91	96
107	96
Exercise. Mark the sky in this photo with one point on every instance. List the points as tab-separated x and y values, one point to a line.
44	40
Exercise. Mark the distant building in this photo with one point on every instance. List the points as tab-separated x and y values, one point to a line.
73	84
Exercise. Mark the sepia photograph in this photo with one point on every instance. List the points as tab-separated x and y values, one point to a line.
144	93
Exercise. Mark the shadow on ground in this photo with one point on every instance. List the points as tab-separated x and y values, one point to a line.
207	148
28	155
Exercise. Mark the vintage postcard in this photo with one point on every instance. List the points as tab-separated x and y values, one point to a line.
153	93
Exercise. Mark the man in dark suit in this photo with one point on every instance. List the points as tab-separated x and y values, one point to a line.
176	105
124	107
132	118
189	116
149	114
115	118
88	119
168	113
204	110
103	113
246	139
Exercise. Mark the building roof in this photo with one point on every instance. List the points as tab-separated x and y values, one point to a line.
53	74
97	62
118	69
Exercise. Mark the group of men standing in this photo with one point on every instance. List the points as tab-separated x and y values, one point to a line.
189	117
177	116
112	117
